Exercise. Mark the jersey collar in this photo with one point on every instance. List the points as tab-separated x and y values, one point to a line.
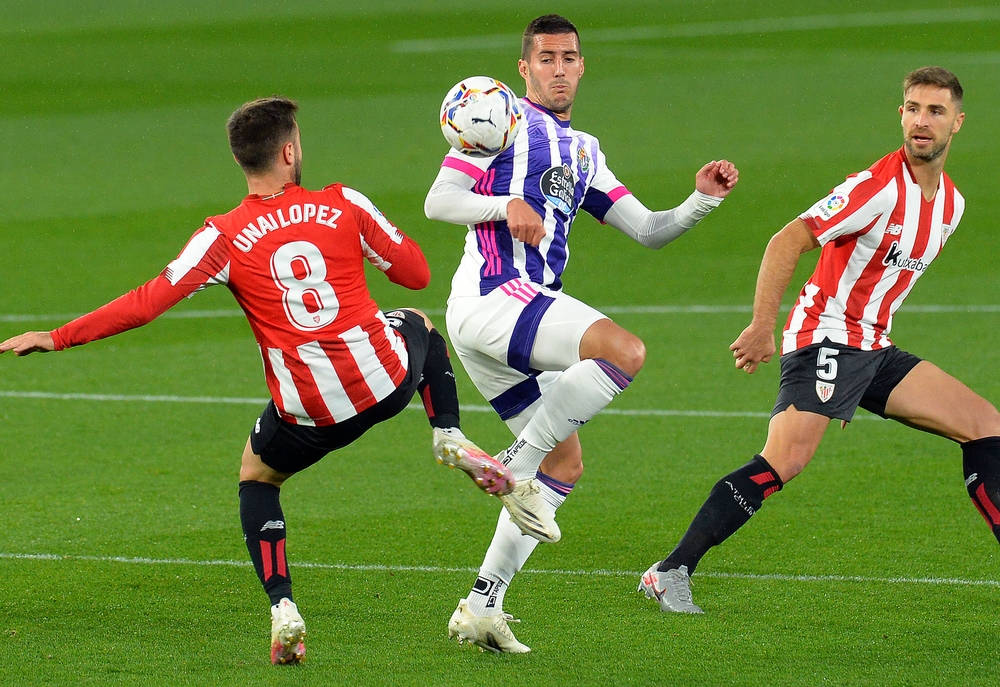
284	189
544	110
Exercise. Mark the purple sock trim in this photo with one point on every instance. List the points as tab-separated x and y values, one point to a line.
621	379
561	488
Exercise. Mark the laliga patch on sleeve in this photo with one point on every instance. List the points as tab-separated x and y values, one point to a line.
831	205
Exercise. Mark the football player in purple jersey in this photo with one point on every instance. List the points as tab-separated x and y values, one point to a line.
546	361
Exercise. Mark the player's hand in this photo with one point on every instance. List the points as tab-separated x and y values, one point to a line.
524	223
753	346
717	178
29	342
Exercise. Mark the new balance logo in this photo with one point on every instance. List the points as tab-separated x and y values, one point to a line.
894	229
971	478
273	525
895	258
256	427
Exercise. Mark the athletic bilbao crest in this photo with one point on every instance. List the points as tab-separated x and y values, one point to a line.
825	391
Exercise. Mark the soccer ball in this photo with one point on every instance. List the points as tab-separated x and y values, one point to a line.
480	117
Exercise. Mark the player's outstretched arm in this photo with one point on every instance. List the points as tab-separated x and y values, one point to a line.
136	308
713	182
198	266
29	342
755	344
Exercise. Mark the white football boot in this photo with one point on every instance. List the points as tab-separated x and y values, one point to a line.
453	449
530	512
288	632
488	632
671	589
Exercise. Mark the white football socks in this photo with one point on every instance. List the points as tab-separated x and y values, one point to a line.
507	554
582	391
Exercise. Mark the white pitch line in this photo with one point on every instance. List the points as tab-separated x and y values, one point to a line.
622	412
718	28
374	567
608	310
220	400
132	398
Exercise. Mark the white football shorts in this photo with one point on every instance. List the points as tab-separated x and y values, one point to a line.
515	341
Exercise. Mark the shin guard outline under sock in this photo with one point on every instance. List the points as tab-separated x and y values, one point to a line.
264	532
582	391
981	465
437	384
730	505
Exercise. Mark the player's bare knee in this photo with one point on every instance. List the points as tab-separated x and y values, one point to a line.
789	470
985	421
261	473
630	355
789	463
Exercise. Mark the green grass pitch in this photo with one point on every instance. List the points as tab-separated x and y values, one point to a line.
870	569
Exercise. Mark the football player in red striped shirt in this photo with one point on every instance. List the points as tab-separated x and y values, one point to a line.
334	363
879	230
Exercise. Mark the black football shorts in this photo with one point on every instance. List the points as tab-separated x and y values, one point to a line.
832	379
290	448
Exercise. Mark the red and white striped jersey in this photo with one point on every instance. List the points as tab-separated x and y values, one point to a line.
878	234
294	262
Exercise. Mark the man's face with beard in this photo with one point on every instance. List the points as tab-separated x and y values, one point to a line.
552	72
930	117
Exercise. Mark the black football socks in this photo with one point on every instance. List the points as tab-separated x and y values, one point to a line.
731	503
264	533
437	385
981	463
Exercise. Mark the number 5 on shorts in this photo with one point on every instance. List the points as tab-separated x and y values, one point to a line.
826	364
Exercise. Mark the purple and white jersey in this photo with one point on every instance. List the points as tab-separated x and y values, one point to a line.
557	171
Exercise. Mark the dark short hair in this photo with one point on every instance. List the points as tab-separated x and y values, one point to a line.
548	24
258	130
934	76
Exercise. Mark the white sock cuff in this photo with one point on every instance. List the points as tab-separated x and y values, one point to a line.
552	490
